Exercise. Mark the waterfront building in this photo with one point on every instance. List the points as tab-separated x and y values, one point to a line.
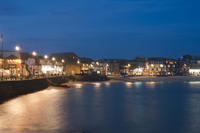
137	66
49	67
190	60
110	67
161	67
11	64
191	64
195	70
156	66
72	64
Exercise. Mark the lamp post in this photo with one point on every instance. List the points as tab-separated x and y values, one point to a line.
18	49
46	57
79	63
54	59
46	64
63	62
2	65
34	53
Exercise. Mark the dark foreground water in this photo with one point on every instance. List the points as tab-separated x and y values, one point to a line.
109	107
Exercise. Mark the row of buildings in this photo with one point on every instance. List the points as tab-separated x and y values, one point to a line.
186	65
14	64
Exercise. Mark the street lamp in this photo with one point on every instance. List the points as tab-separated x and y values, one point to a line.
78	62
46	56
63	61
2	54
17	48
53	58
54	64
34	53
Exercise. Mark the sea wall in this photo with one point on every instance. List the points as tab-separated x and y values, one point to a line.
12	89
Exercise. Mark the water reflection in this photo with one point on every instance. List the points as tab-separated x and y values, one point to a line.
138	84
170	108
78	85
97	85
194	84
151	84
129	84
35	112
107	84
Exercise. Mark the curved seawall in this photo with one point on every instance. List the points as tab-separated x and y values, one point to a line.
12	89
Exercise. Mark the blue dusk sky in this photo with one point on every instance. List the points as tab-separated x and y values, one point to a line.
103	28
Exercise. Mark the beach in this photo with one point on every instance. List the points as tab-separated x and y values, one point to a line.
158	79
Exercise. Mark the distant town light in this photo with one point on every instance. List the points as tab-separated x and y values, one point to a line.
34	53
78	62
129	65
18	61
53	58
63	61
17	48
97	63
46	56
161	65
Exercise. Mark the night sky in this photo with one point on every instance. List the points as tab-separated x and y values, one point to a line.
103	28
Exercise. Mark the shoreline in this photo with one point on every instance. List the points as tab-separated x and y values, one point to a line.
157	79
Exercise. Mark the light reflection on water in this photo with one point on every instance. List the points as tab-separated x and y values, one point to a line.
107	107
97	85
194	84
78	85
128	84
31	112
107	84
151	85
138	84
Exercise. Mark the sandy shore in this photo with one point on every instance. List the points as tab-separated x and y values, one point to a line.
158	79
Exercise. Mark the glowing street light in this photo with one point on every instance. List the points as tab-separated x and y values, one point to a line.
63	61
46	56
17	48
19	61
78	62
34	53
53	58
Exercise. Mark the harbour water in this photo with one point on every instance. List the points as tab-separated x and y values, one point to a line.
106	107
